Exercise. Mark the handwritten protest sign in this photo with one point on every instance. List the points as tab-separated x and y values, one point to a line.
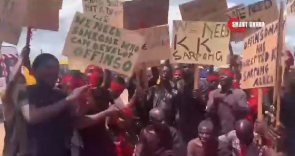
220	16
43	14
93	4
151	13
290	7
200	42
112	15
196	10
259	58
263	11
12	13
98	43
157	44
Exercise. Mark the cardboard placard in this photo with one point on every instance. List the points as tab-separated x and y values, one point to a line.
77	64
43	14
259	58
106	3
101	11
290	7
196	10
95	42
150	13
264	11
157	44
220	16
199	42
11	20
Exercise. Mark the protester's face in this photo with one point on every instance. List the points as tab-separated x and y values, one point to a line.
177	76
158	124
205	134
157	120
48	72
186	69
166	73
225	80
245	137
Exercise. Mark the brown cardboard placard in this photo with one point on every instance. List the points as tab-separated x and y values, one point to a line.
43	14
100	10
157	44
150	13
196	10
12	13
259	58
98	43
264	11
199	42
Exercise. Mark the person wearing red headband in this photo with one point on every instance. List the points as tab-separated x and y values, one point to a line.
177	75
212	80
92	68
227	105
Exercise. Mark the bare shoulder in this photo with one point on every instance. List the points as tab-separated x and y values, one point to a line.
194	143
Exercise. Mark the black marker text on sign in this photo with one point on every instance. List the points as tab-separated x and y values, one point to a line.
259	58
196	42
102	44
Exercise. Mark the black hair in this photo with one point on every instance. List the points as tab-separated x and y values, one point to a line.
43	58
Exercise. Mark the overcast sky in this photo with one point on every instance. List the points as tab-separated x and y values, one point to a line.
52	42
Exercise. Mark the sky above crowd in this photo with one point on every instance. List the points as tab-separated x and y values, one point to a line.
53	42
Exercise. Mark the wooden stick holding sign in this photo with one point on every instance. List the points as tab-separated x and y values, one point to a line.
144	76
231	55
197	77
260	108
260	104
280	44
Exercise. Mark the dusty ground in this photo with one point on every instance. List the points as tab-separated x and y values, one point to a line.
2	134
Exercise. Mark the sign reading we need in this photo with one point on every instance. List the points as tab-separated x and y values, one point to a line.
99	43
200	42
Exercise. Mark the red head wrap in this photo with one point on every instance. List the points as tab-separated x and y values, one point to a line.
95	79
118	84
213	77
93	68
228	72
177	72
70	82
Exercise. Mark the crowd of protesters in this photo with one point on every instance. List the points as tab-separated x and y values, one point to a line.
168	118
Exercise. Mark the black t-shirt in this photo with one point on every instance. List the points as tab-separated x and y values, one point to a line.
51	137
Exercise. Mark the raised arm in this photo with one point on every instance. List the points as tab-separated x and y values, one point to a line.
211	107
89	120
8	105
35	115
